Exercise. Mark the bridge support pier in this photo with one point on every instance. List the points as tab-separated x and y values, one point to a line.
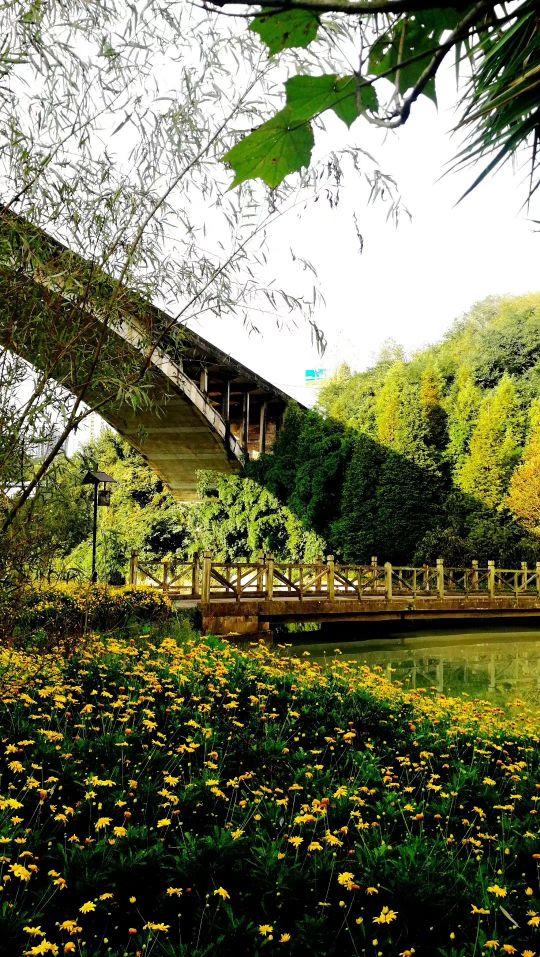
245	626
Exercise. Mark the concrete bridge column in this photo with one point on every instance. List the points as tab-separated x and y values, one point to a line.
245	626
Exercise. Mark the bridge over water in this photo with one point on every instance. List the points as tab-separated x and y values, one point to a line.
214	411
248	597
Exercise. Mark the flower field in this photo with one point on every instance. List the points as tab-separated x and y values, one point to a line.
202	799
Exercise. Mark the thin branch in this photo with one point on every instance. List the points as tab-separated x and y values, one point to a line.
348	7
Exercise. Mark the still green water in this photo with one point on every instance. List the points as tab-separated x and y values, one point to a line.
498	665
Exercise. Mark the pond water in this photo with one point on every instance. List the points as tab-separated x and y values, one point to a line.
499	665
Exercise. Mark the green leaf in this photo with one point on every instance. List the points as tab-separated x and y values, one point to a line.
286	29
413	38
309	96
281	146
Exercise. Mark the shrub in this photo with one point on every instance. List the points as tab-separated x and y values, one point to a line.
69	610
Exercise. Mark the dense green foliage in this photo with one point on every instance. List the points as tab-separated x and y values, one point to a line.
414	460
409	461
235	518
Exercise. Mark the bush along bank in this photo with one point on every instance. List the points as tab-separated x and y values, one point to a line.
64	612
206	800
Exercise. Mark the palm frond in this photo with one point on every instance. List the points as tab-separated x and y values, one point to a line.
501	104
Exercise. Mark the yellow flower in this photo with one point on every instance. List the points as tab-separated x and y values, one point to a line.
18	870
295	841
478	910
386	916
509	949
371	890
221	892
45	947
34	931
332	840
163	928
70	947
71	926
164	822
315	846
87	908
237	834
265	929
285	938
492	944
498	891
103	822
119	831
346	879
174	892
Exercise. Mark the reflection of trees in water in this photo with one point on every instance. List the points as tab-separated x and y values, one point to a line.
500	672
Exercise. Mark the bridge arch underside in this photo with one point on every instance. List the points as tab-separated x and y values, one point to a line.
189	433
176	443
212	411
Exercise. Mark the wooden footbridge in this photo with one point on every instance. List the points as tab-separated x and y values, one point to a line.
247	597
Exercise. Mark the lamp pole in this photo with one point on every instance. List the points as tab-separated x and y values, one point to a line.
102	497
94	535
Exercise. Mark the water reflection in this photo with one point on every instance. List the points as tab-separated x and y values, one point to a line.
497	666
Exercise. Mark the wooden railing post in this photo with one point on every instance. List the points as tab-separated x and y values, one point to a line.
388	580
524	576
538	578
260	571
206	578
133	568
270	576
331	578
491	579
474	575
440	577
374	566
165	564
195	570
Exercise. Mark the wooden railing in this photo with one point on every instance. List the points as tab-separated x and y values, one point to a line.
205	580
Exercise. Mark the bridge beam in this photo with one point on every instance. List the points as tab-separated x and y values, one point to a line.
203	419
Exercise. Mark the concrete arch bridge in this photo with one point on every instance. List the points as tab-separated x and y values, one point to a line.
214	411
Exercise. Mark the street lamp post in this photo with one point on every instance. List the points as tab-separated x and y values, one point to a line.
101	497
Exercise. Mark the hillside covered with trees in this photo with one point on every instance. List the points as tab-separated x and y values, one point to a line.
436	455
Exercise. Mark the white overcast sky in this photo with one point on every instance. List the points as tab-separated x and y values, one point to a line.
411	281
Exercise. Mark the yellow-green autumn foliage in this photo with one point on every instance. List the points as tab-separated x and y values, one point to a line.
524	490
494	446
